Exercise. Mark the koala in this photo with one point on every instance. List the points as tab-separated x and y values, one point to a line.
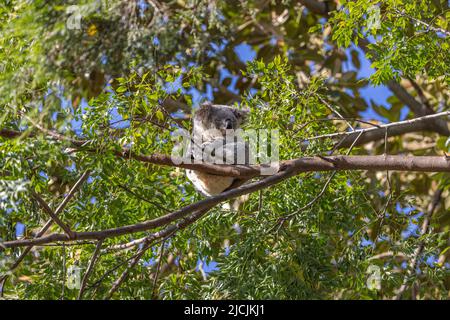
216	137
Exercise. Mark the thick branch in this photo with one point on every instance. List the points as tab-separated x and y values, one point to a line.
48	224
379	132
288	169
149	240
158	159
165	160
247	171
419	109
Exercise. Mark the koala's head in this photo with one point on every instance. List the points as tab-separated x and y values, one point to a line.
218	117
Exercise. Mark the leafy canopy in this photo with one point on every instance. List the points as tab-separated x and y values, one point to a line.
134	71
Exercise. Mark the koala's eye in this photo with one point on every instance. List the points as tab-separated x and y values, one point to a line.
228	124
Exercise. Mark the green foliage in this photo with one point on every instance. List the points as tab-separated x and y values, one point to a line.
129	76
408	40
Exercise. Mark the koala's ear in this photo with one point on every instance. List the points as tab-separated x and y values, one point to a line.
241	115
206	104
204	111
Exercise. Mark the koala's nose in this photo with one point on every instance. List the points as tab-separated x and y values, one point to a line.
228	124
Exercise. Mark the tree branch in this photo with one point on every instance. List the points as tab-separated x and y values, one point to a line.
125	273
415	106
52	214
89	269
414	262
423	23
378	133
247	171
165	233
157	159
288	169
158	268
48	224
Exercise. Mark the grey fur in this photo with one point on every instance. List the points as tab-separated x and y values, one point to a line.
211	123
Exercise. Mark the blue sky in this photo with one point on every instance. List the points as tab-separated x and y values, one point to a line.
378	94
245	53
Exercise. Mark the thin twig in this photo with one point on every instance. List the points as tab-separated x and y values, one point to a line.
97	283
335	111
420	93
142	198
282	219
48	224
166	233
414	262
52	215
125	273
64	272
288	169
260	201
384	126
423	23
2	285
382	215
158	268
307	123
89	269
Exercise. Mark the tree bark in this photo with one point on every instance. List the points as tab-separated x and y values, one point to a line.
288	168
